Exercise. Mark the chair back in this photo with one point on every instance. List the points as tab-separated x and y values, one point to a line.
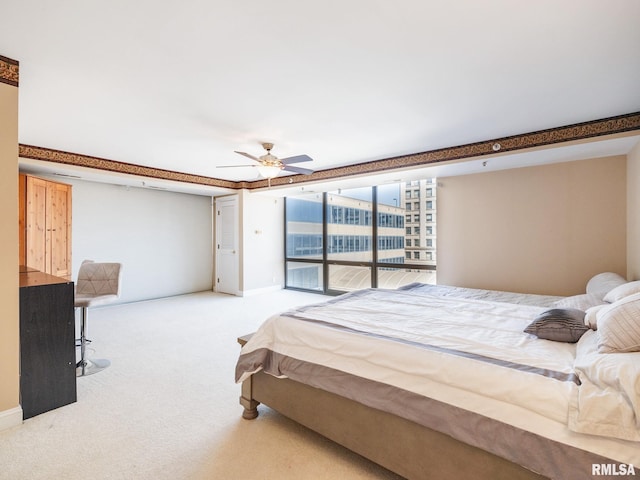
97	279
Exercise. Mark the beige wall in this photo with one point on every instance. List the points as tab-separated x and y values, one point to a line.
633	214
544	229
9	324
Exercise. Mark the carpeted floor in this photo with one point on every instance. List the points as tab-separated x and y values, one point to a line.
167	408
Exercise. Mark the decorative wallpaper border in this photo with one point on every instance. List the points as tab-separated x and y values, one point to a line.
66	158
551	136
578	131
9	71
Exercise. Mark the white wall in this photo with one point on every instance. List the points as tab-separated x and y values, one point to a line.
163	239
262	237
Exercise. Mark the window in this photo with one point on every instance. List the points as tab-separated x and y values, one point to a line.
429	217
333	243
429	242
429	192
304	275
344	240
429	205
304	242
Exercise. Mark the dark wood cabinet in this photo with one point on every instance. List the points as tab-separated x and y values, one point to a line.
47	342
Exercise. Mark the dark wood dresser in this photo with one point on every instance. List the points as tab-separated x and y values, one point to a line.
47	342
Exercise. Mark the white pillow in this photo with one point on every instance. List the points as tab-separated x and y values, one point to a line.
619	326
622	291
590	318
602	283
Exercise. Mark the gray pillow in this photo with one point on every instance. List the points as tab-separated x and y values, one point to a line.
559	324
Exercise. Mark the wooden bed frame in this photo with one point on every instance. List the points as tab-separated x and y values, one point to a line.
406	448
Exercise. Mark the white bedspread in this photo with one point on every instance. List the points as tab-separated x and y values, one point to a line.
419	342
410	336
608	400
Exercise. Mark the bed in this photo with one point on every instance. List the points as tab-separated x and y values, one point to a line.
443	382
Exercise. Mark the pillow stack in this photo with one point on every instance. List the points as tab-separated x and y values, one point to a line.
616	318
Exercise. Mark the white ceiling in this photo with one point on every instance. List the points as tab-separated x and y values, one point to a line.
180	85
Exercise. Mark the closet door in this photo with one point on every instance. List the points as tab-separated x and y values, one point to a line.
227	245
36	223
47	219
59	229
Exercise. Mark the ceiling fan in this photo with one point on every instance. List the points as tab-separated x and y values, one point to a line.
269	166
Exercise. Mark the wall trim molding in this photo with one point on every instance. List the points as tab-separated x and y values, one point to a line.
9	71
552	136
79	160
10	418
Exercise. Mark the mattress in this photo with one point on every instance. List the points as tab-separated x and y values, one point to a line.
463	354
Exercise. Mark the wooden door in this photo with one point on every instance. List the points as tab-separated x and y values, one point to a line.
47	219
59	229
36	220
22	218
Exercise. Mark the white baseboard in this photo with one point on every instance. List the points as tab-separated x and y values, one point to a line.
258	291
10	418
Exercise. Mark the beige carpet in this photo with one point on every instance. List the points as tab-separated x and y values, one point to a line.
167	408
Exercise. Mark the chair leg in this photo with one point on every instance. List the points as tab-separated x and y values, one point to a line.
83	342
87	367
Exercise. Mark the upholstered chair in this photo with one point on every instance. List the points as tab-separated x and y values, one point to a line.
98	284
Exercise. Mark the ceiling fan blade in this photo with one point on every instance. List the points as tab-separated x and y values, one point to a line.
248	155
296	159
304	171
234	166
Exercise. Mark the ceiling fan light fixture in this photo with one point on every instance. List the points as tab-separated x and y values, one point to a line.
268	171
